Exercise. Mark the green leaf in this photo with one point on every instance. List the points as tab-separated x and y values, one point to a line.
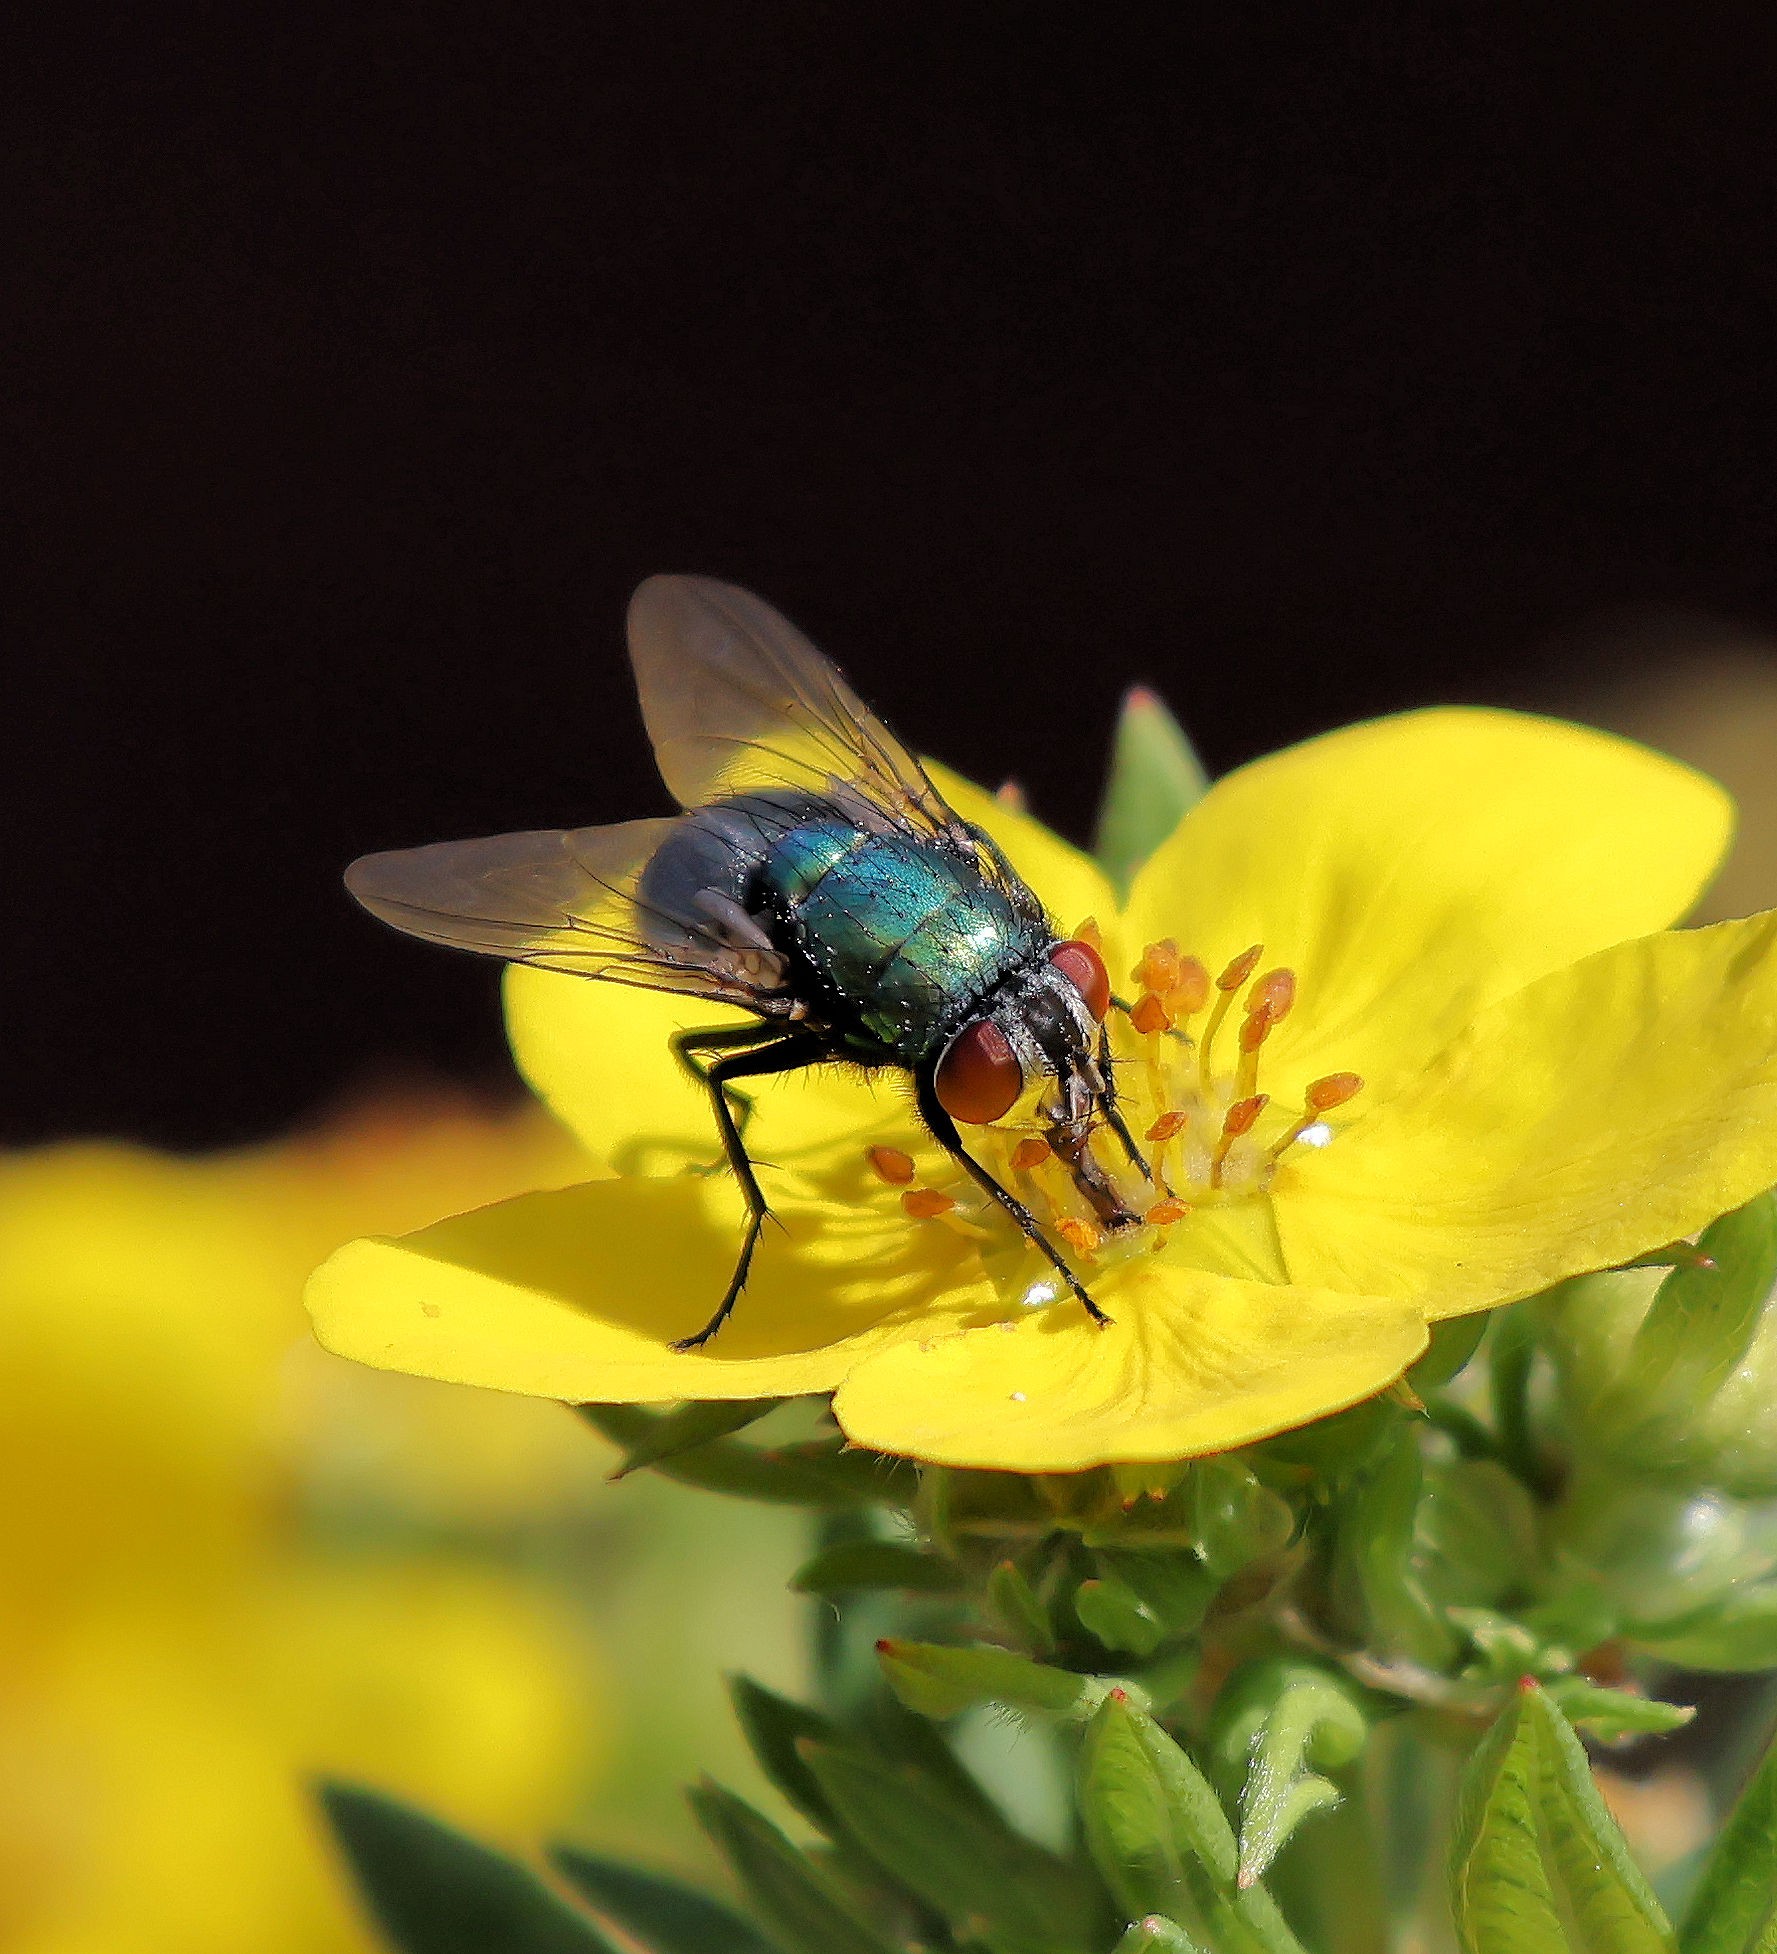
801	1905
690	1425
670	1917
1159	1835
1377	1520
822	1473
1734	1909
1611	1715
875	1564
1156	1935
968	1865
1538	1863
1275	1727
775	1728
1015	1607
1155	779
435	1891
939	1681
1138	1600
1739	1632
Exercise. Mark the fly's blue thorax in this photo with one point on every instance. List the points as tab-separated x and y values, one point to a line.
903	934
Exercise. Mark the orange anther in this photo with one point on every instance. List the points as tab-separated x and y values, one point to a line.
1337	1087
1164	1213
1150	1015
1255	1030
926	1203
1080	1235
1159	967
1030	1153
1167	1125
1239	1117
1191	991
1273	995
1240	969
891	1165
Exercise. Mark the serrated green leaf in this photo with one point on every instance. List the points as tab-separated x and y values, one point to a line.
435	1891
688	1426
1155	779
801	1905
1160	1837
670	1917
822	1473
940	1681
1275	1728
1610	1715
1156	1935
1538	1865
1734	1909
968	1866
855	1564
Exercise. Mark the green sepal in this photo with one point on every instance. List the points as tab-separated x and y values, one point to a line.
1274	1729
964	1862
941	1681
1377	1520
1015	1606
1538	1865
1155	780
1693	1337
1137	1601
801	1905
820	1473
688	1426
666	1915
875	1564
1158	1935
1734	1907
1612	1715
1453	1342
1160	1837
435	1891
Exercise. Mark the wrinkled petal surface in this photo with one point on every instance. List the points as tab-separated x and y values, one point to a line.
1600	1112
1192	1363
578	1294
1413	870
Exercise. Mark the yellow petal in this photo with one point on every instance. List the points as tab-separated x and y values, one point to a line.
599	1057
1191	1363
1072	885
577	1294
1600	1112
1415	869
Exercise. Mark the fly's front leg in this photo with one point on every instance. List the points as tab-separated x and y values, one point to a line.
785	1055
692	1049
1113	1116
944	1131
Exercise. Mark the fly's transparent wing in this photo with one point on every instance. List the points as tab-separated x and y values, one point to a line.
572	900
738	701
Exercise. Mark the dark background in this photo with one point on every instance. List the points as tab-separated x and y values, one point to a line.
1305	363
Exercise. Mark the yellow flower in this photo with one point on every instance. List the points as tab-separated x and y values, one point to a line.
1465	911
183	1645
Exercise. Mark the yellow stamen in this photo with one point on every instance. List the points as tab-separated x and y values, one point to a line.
1321	1097
1236	1122
926	1203
1227	984
1150	1015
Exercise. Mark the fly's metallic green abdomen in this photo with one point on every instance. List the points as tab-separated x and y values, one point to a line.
908	935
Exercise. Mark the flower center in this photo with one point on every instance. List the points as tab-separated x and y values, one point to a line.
1191	1096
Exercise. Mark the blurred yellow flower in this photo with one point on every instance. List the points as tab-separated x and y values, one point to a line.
1466	1058
183	1646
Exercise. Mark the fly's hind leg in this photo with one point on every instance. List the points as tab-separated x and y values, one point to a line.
695	1050
943	1129
783	1055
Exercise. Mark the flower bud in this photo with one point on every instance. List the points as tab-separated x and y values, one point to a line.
1673	1373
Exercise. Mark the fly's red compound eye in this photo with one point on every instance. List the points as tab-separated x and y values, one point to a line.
979	1077
1083	967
